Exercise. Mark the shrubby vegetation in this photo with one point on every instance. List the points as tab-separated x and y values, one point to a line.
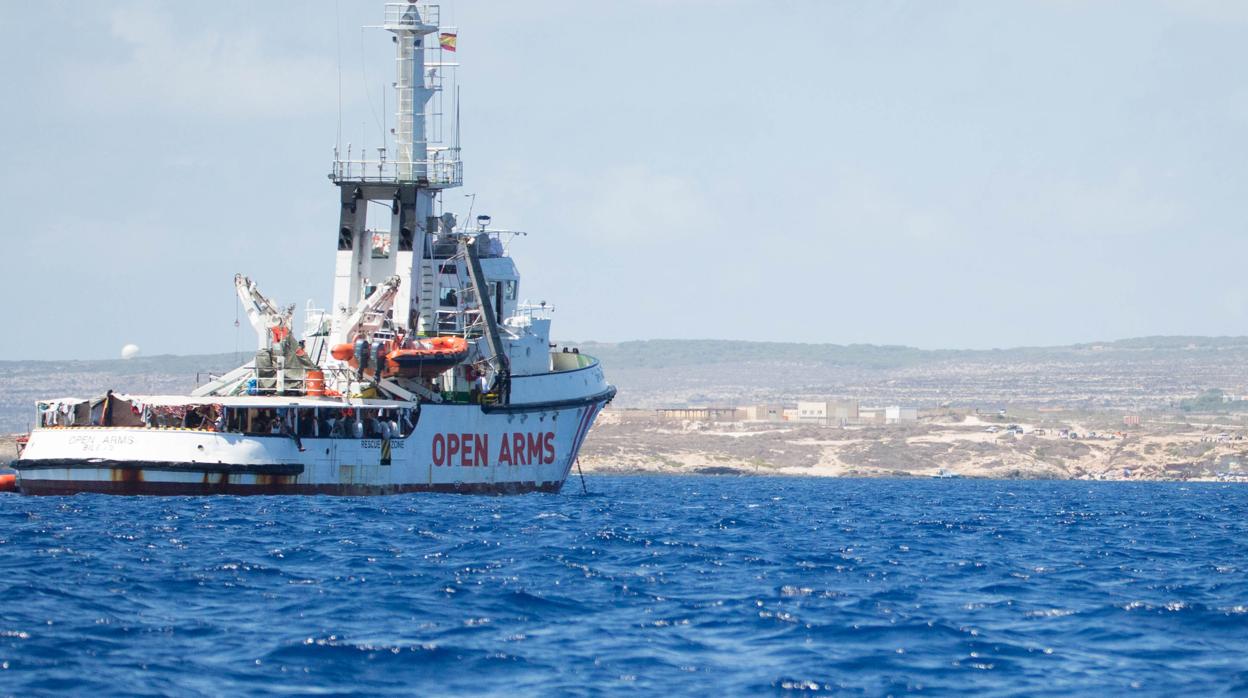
1212	400
670	353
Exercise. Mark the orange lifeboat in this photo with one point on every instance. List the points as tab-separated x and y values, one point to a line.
426	357
8	481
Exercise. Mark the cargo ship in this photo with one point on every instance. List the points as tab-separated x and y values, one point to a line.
427	373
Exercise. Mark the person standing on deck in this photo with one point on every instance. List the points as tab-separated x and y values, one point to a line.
106	416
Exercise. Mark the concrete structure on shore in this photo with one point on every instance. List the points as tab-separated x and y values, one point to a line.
834	413
764	413
897	415
702	414
828	412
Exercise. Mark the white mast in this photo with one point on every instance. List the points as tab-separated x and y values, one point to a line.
408	183
410	28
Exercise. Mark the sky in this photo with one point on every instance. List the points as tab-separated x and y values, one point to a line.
931	173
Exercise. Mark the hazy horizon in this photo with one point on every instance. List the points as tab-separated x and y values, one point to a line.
248	350
937	175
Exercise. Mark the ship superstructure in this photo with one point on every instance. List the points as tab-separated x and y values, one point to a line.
425	373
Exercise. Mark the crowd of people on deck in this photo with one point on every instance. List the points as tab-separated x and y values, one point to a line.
338	422
320	422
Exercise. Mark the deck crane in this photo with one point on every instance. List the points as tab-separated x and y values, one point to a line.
272	323
273	326
370	314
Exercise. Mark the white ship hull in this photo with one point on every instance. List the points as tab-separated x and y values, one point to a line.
453	448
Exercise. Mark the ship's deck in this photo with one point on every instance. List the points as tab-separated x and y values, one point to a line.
251	401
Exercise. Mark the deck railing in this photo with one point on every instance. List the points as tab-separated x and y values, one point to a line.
444	170
402	14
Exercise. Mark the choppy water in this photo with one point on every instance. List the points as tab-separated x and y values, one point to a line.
659	585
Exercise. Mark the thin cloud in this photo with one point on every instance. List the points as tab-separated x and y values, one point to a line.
172	68
1218	11
634	203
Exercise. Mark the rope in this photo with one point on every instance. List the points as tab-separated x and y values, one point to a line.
584	489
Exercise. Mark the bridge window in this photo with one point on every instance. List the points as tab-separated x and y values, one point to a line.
381	245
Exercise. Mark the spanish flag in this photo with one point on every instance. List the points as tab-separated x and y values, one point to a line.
447	41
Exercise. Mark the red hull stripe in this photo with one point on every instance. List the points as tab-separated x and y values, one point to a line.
583	431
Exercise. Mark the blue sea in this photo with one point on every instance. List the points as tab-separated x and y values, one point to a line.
647	585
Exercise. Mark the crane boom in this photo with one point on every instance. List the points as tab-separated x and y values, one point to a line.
377	301
272	324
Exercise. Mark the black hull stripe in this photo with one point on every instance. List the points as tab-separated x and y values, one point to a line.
558	373
164	466
605	396
68	487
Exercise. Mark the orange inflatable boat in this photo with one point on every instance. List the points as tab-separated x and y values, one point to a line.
423	357
426	357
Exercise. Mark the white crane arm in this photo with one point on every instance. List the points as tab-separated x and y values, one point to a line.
377	302
262	312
